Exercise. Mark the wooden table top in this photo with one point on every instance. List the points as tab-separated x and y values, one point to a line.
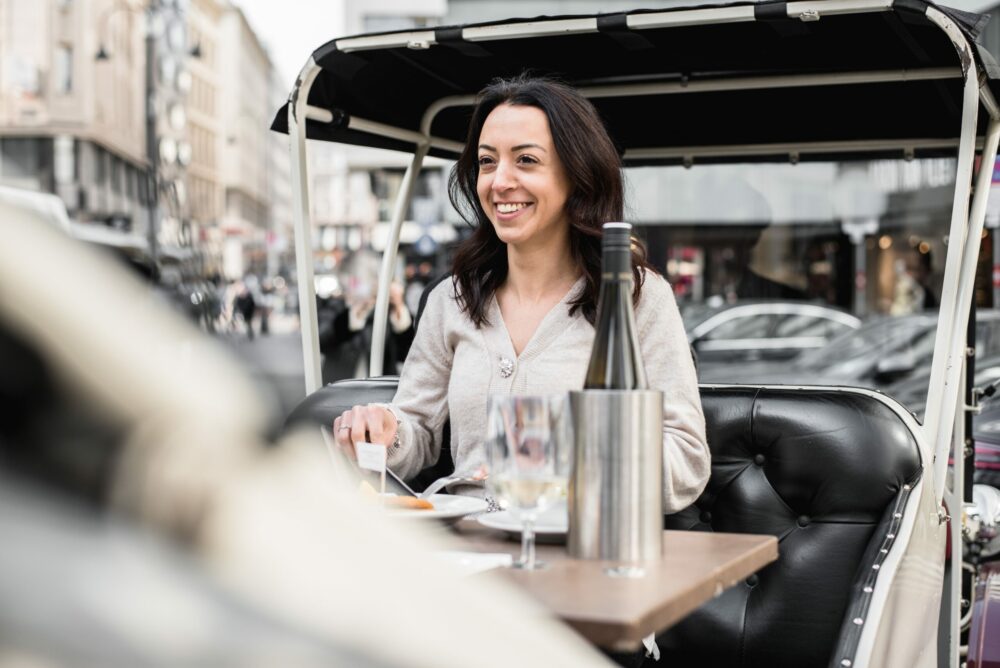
618	613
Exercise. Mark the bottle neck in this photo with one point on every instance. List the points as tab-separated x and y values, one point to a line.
616	263
616	275
617	289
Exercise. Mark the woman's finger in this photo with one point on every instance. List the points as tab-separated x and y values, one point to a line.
342	435
343	424
338	422
376	424
359	424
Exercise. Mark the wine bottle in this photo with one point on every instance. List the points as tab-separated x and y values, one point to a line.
615	360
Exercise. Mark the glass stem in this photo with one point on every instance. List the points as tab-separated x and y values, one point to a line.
528	543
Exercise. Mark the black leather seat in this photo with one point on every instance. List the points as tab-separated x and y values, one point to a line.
822	470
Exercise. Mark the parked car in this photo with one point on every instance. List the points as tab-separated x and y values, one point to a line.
882	354
748	331
912	390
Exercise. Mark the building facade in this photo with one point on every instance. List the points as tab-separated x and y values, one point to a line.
245	109
279	236
204	179
353	189
71	124
75	77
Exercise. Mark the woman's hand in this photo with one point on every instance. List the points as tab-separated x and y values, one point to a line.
396	298
369	424
357	314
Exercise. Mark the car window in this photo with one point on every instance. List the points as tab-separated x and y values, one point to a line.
797	324
836	328
857	353
756	326
875	337
921	348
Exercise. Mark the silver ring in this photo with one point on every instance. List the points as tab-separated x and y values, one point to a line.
346	427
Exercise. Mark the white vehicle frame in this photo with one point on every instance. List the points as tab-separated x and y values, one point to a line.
899	614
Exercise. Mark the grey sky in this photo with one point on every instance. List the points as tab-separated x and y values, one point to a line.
292	29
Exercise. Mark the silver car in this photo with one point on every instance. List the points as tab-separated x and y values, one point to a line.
750	331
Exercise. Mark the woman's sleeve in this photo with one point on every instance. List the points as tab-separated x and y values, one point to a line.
421	401
670	368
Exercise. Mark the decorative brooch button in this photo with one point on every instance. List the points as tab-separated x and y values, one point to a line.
506	367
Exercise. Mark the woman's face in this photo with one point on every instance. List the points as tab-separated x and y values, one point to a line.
522	184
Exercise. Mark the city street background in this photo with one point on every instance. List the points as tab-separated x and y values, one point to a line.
151	347
146	124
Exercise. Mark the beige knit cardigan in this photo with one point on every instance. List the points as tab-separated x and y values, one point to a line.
453	367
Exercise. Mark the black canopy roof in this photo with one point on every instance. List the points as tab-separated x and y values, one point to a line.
395	84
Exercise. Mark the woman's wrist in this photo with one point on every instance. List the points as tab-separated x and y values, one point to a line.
393	445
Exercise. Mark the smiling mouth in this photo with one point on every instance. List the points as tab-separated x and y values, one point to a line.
511	207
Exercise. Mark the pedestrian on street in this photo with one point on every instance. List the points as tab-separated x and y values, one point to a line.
266	305
415	284
244	306
398	336
336	341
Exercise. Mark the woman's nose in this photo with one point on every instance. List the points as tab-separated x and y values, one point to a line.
503	177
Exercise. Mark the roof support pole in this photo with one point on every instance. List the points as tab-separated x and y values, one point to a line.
388	267
963	251
970	257
954	501
302	220
375	362
944	424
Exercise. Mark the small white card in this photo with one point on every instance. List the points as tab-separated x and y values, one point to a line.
371	456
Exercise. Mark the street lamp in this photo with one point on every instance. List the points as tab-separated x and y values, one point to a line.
152	13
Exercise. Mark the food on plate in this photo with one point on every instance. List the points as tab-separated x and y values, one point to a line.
410	502
394	501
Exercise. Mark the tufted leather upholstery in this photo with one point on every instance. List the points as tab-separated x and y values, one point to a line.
818	469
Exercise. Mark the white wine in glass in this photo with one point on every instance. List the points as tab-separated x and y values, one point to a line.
530	494
527	462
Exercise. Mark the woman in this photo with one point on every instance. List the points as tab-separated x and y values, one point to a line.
538	177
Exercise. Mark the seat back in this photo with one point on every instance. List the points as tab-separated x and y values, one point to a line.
322	406
329	401
820	469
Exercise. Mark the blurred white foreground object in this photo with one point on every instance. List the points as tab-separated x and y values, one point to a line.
242	546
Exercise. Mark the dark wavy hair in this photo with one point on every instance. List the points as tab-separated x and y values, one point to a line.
594	170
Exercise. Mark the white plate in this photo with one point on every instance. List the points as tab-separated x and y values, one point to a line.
470	563
554	522
447	507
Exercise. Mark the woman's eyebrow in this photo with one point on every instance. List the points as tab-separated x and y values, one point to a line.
519	147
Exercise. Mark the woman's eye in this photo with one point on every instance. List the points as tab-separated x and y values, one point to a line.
526	160
485	161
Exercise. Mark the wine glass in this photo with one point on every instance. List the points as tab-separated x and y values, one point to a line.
528	462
